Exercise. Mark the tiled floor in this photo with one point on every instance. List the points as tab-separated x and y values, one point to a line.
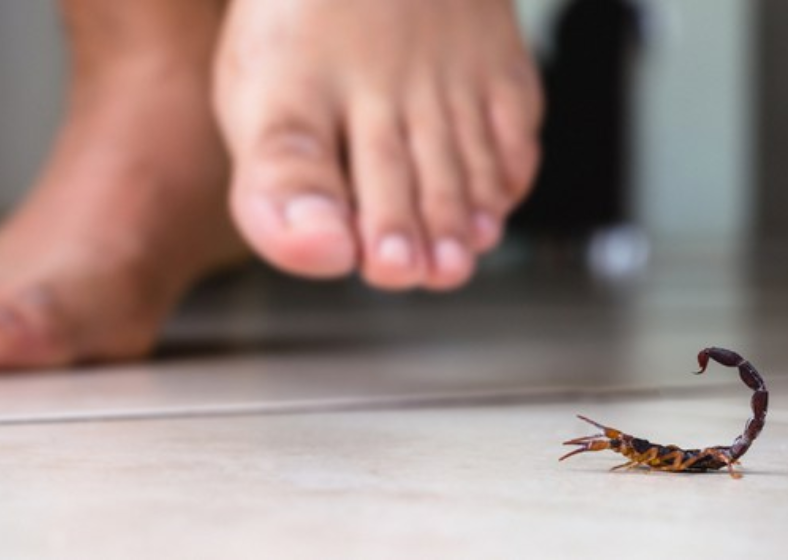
287	420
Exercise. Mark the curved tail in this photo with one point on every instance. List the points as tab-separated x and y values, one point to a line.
760	398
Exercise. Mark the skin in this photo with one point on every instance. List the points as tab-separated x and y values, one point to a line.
92	280
385	138
398	156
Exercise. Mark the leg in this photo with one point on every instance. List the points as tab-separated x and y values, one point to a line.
728	463
733	473
676	465
128	210
643	459
376	134
627	465
680	466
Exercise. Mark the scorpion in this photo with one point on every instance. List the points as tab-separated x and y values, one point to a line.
671	458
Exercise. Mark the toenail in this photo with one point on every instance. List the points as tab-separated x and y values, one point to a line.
314	212
488	229
451	256
395	250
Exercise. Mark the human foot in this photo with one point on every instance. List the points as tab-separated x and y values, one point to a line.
130	208
392	136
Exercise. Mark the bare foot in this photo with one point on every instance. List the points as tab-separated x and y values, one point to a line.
392	136
130	208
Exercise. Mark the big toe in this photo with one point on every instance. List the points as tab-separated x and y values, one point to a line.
289	201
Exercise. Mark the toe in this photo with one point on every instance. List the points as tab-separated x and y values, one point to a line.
453	264
289	197
489	196
384	185
515	114
443	195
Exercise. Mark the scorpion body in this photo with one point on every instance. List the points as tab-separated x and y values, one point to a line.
641	452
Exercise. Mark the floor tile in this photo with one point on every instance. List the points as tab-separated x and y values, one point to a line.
457	482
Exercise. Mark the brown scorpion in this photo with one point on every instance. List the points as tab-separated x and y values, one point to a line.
672	458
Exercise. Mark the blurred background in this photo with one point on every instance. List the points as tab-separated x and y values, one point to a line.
665	113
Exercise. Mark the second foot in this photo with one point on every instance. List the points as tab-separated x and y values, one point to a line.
389	137
79	312
130	208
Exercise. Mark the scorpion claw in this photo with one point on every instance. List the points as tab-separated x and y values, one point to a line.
574	452
588	443
581	440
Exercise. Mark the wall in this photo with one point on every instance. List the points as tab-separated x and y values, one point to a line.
31	73
772	115
693	131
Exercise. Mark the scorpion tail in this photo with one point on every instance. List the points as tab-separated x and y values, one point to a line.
760	398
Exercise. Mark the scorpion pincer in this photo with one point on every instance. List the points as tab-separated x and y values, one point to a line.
641	452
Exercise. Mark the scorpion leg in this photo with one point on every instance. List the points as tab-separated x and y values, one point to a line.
679	465
708	453
649	456
643	459
725	459
628	465
676	465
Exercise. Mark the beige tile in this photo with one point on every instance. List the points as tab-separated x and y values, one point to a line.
477	482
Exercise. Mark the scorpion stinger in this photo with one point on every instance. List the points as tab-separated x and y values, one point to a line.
641	452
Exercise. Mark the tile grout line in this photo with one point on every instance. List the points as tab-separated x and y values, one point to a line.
363	404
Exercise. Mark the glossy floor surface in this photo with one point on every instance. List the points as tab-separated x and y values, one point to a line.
292	420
